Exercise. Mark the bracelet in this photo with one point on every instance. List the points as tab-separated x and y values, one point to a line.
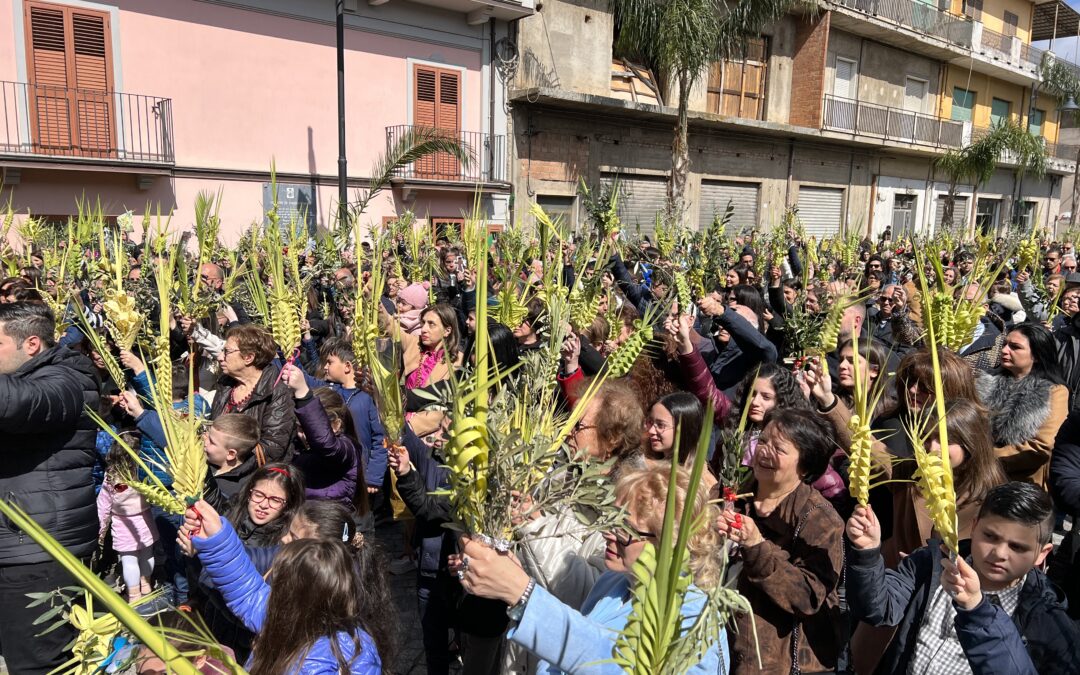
828	408
518	609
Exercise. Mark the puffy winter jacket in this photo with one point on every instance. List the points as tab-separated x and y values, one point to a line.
271	403
331	461
899	598
368	428
246	593
49	453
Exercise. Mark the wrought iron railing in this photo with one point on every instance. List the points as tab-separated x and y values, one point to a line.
871	119
917	16
487	154
43	120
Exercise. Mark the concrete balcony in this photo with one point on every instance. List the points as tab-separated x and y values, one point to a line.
891	124
40	124
1060	157
921	28
478	11
442	171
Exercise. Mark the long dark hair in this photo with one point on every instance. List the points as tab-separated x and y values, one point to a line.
336	410
291	481
1043	351
687	412
788	393
378	617
316	594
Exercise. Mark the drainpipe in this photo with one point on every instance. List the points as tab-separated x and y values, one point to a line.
491	99
790	173
847	193
343	184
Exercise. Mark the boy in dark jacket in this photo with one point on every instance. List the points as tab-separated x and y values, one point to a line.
993	612
338	366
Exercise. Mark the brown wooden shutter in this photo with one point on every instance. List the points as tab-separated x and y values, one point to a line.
50	112
93	98
70	80
437	104
449	119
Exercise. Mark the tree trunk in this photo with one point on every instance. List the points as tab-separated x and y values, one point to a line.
680	158
950	205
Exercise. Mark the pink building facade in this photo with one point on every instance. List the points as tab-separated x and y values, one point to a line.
145	103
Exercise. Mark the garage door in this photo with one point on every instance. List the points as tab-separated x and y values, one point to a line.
716	195
640	199
960	211
820	210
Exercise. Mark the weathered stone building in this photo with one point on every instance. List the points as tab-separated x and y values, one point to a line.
840	112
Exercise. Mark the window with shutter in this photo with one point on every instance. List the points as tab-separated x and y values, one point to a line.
1011	23
844	81
437	105
736	86
70	80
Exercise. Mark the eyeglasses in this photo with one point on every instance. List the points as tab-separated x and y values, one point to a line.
659	426
258	497
888	301
225	352
627	534
581	426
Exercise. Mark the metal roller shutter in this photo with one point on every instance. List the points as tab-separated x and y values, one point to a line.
715	196
640	199
960	210
821	210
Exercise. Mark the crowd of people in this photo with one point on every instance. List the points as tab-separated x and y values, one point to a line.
281	557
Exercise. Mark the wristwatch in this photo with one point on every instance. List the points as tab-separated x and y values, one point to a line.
517	611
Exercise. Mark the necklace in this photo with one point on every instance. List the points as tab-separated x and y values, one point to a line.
233	404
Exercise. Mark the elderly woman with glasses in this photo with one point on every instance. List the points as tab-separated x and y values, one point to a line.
250	385
569	639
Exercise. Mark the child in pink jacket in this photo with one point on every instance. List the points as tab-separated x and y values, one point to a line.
125	513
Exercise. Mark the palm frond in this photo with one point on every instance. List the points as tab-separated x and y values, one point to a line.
413	145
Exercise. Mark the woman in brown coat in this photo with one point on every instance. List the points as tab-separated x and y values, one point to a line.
1028	402
792	551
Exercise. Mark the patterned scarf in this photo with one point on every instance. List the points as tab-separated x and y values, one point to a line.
419	377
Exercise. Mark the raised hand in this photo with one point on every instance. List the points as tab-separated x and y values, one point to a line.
863	528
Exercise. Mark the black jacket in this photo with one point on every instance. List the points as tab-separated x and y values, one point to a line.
1068	345
271	403
900	598
48	453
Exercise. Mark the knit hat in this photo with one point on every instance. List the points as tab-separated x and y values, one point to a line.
414	294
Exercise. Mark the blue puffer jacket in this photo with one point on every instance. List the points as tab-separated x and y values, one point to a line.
246	593
151	448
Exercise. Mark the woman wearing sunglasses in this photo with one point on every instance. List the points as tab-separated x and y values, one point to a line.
568	640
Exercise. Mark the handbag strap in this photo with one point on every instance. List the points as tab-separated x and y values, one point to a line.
796	631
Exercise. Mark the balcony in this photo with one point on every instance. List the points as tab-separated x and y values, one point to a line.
488	163
892	124
1009	49
82	126
917	16
1060	156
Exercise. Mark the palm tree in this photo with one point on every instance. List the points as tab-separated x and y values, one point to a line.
978	160
679	39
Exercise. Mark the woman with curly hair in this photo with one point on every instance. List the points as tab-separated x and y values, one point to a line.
567	639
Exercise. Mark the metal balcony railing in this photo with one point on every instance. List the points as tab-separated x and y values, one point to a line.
1060	151
488	153
1009	48
48	121
917	16
895	124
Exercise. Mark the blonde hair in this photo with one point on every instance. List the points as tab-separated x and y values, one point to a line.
644	494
